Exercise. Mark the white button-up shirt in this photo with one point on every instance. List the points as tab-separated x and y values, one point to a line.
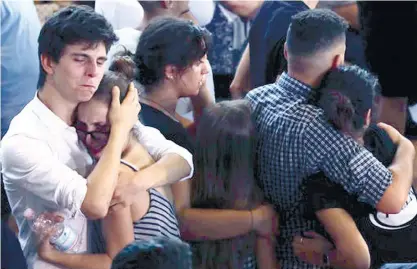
45	166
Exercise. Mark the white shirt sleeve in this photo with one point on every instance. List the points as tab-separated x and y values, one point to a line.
30	164
120	13
158	146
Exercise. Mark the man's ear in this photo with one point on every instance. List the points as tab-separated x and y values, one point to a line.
285	51
337	60
368	117
47	64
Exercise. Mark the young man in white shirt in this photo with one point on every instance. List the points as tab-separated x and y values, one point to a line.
44	165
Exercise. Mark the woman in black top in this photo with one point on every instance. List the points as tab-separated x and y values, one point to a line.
361	236
169	63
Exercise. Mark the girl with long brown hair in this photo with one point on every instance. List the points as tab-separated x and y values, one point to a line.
224	163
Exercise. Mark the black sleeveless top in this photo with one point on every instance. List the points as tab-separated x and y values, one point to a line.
390	237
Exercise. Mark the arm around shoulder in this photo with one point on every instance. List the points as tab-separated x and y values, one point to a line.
401	168
175	160
351	250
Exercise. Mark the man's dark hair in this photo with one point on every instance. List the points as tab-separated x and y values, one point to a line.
168	41
312	31
72	25
346	95
155	253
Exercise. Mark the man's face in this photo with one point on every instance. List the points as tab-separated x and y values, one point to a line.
79	71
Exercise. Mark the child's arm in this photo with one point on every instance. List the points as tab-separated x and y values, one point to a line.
265	252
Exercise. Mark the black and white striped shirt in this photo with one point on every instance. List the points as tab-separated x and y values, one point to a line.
159	220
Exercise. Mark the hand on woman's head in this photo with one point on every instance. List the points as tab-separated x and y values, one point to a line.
124	116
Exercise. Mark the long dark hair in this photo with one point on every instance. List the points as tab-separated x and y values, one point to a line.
224	162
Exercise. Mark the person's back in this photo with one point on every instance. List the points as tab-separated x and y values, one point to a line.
20	28
295	140
269	28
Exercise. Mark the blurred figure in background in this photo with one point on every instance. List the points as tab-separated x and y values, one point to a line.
20	28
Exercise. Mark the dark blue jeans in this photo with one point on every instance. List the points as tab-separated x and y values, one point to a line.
11	253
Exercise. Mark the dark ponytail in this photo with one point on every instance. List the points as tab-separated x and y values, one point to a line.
346	95
121	73
339	110
123	63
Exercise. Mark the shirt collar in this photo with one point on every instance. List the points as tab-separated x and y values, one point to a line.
49	118
295	86
230	16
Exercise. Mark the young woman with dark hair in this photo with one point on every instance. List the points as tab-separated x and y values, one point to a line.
355	234
170	63
224	160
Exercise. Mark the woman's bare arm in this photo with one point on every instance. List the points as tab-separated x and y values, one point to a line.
351	250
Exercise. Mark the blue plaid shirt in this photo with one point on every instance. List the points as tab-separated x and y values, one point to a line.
295	141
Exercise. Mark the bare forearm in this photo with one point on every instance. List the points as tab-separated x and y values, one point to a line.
402	170
351	13
214	224
102	180
265	253
81	261
343	260
169	169
241	81
351	250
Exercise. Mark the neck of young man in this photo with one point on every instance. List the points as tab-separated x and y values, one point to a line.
148	16
309	76
64	109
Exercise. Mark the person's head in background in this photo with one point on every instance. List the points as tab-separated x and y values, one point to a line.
73	45
155	253
92	123
170	58
224	160
347	95
315	43
171	8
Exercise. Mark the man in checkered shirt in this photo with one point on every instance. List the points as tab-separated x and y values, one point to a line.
295	140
